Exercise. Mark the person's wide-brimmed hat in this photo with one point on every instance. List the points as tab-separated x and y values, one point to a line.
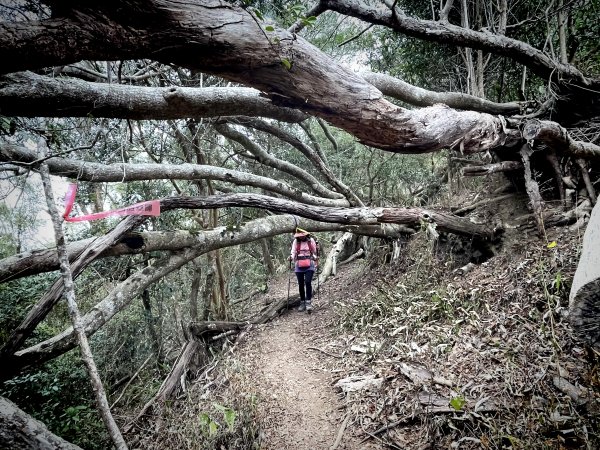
300	233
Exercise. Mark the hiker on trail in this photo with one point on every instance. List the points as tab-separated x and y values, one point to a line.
304	254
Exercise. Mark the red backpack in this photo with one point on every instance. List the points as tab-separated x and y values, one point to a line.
303	256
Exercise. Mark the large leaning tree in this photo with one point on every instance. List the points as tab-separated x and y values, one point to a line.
205	91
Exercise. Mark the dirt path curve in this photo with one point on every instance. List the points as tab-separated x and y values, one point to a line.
297	402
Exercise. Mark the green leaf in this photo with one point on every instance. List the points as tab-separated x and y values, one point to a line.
259	14
551	244
286	63
457	403
229	416
269	28
204	419
212	428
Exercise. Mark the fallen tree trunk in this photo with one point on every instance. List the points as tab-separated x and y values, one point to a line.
352	216
584	300
20	431
195	35
28	94
44	260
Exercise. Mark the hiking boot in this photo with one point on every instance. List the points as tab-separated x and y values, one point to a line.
309	306
302	307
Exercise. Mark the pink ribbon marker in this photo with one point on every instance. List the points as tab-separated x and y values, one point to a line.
149	208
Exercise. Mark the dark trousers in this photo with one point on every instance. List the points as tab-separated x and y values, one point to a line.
305	280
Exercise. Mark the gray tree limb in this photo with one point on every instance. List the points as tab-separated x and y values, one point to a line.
121	172
194	35
444	32
20	431
31	95
414	95
557	138
308	152
267	159
45	260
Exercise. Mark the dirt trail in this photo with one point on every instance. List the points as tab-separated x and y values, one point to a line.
298	404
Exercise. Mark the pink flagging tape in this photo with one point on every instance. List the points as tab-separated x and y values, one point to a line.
149	208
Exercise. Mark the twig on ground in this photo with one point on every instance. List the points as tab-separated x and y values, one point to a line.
324	352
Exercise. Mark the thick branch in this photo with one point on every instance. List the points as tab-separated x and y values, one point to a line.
120	172
18	430
558	138
351	216
31	95
417	96
219	38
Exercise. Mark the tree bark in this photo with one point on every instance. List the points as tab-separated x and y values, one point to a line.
584	299
28	94
413	95
20	431
217	37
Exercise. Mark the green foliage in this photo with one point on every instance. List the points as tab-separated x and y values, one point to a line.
60	395
16	299
457	403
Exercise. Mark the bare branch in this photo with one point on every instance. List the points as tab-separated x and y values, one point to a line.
310	154
417	96
315	11
120	172
265	158
559	139
446	33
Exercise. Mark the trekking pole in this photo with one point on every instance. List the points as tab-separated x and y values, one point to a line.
318	269
287	304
